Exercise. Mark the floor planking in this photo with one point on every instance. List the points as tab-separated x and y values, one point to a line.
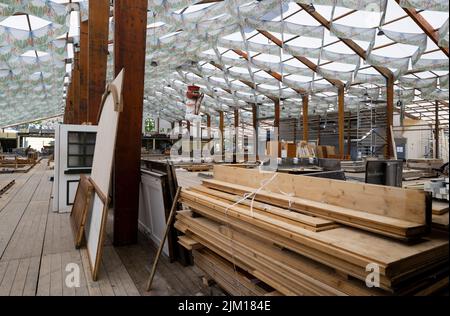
36	247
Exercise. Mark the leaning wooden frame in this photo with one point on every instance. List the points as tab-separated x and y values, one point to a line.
96	213
78	215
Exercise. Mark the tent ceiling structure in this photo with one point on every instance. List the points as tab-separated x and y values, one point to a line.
242	52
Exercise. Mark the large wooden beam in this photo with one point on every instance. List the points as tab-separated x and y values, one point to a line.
389	116
84	72
98	55
307	62
436	130
208	126
76	89
276	125
425	26
274	74
236	133
305	101
222	133
341	121
350	43
129	54
255	129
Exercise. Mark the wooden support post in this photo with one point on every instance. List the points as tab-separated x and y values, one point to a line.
129	54
349	139
236	134
157	125
68	111
305	100
208	126
84	76
255	129
98	55
389	115
436	130
76	89
341	121
188	126
222	133
276	125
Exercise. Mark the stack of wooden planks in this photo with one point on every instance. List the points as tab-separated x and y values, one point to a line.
440	216
320	242
424	163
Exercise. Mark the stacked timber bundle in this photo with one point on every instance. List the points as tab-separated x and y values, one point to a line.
309	236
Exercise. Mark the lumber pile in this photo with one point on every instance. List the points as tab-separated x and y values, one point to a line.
306	150
233	280
424	163
304	244
438	188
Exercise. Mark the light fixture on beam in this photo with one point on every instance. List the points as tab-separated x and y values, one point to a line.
310	8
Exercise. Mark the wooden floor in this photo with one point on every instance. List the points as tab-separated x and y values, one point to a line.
36	247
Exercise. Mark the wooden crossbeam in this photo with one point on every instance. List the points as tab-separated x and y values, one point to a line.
308	63
350	43
425	26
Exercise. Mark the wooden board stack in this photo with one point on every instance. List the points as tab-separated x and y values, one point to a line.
424	163
309	236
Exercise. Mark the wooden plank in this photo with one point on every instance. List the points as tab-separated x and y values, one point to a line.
440	208
129	53
44	276
313	223
20	278
31	281
8	278
188	243
383	225
56	275
409	205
